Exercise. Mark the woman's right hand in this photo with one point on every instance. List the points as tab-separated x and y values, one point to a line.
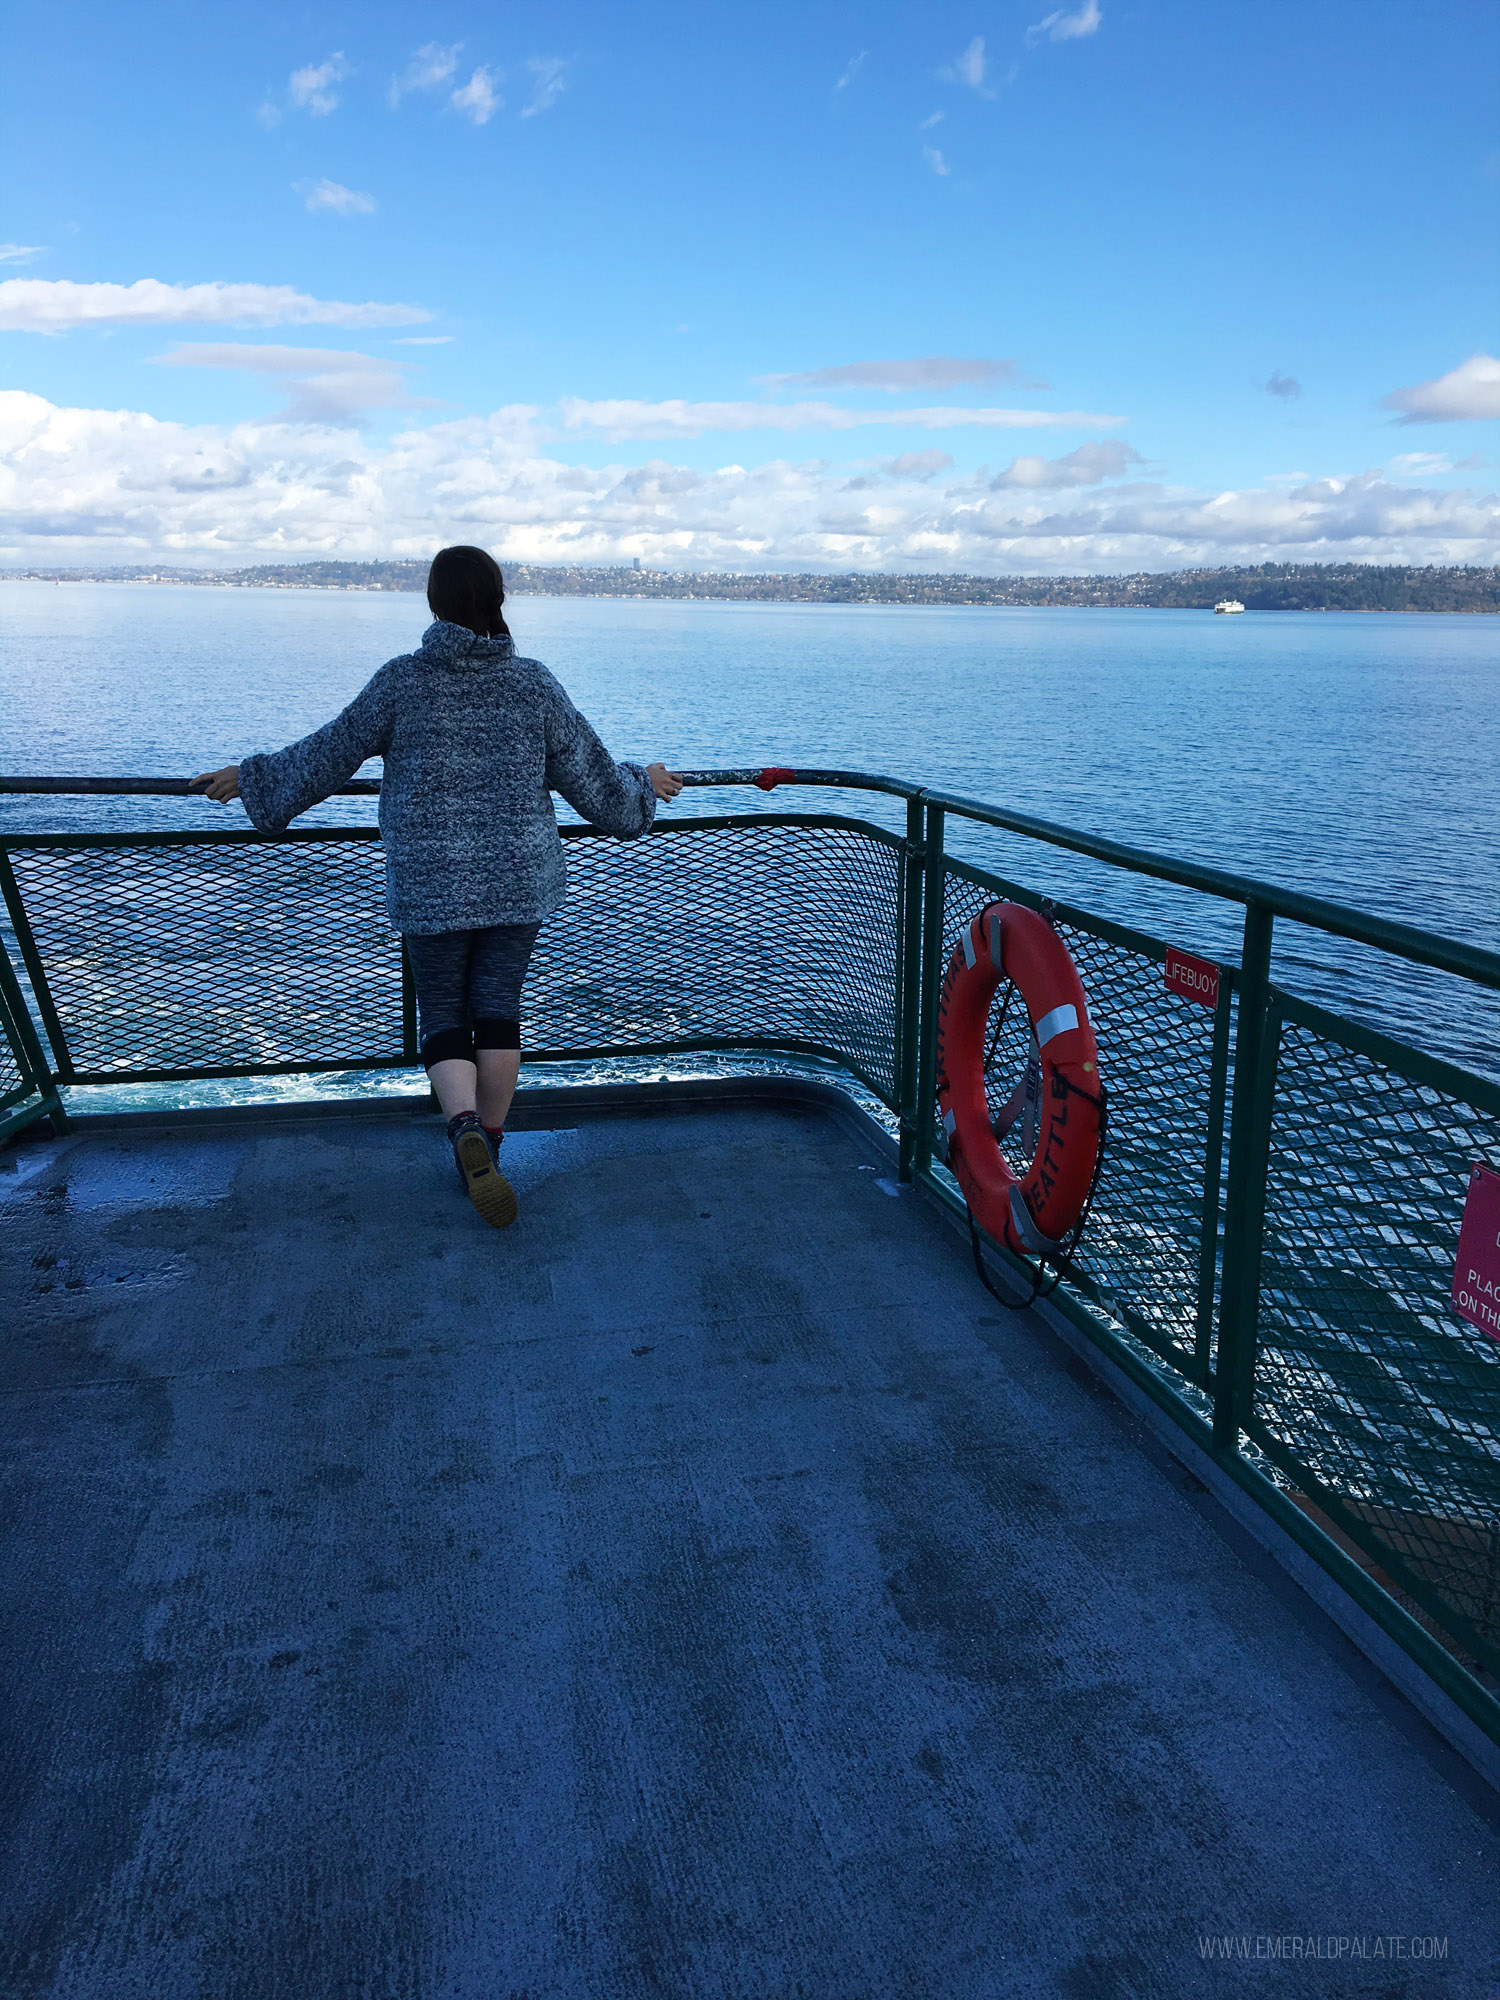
666	784
221	786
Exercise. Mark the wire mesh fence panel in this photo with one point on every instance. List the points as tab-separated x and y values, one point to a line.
769	932
1365	1376
1143	1241
204	957
268	954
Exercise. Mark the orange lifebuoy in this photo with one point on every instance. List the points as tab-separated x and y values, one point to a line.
1031	1212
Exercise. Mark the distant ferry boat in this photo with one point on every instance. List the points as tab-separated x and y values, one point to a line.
1227	606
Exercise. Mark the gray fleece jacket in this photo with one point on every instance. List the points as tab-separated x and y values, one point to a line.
475	740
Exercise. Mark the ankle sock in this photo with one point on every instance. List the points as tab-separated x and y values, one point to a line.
495	1134
459	1120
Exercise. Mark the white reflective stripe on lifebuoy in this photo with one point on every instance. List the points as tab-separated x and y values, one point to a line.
969	947
1026	1229
1056	1023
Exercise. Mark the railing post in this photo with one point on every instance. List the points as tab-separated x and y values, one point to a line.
1249	1149
909	972
1213	1185
934	881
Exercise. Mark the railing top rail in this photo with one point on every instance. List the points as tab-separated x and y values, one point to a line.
765	778
1361	926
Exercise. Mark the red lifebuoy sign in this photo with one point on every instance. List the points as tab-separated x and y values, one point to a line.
1194	978
1032	1212
1476	1275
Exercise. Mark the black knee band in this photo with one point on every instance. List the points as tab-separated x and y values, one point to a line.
448	1045
497	1034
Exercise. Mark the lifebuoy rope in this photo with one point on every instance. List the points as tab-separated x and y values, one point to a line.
1068	1248
989	1054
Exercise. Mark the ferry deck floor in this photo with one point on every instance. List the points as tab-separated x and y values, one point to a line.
701	1589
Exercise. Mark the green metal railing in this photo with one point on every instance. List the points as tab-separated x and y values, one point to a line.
1272	1240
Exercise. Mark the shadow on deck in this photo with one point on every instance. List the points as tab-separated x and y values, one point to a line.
701	1589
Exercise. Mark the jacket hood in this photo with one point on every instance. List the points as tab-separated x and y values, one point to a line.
444	641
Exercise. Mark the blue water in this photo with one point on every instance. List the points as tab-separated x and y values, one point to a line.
1355	757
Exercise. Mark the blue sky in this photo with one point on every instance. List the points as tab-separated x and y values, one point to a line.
995	288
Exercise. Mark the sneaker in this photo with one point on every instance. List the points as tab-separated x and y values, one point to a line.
488	1189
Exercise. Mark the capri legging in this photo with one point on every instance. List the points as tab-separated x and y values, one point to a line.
469	989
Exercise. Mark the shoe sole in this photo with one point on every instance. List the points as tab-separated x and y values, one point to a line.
488	1189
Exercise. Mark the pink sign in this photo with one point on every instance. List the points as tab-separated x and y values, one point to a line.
1476	1275
1194	978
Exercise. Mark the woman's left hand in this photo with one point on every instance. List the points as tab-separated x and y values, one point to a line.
221	786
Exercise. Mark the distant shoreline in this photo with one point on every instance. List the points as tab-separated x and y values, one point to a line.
1269	587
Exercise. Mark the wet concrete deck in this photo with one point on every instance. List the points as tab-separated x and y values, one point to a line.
701	1589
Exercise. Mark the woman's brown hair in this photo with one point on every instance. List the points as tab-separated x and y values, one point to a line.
465	587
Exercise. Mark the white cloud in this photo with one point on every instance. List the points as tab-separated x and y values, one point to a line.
19	253
424	340
1287	387
1465	394
936	161
920	465
120	486
549	79
1061	26
323	385
1089	465
969	67
312	88
430	68
477	99
931	371
936	118
675	419
852	69
54	305
1419	464
332	198
434	66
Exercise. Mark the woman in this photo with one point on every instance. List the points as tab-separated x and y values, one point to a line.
475	740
